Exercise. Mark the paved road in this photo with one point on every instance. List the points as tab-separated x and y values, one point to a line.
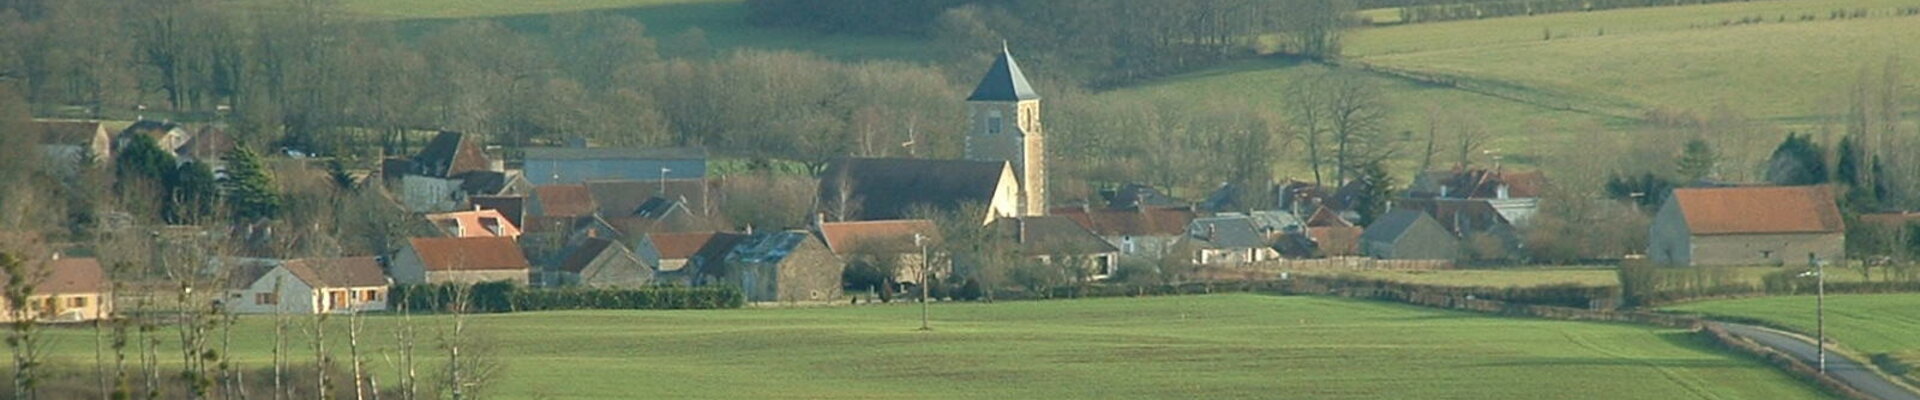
1846	370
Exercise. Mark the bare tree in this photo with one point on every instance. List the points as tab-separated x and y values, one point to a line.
469	365
24	271
355	323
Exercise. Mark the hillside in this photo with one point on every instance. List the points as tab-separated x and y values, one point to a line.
1224	346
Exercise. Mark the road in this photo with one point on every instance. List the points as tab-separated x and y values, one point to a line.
1844	369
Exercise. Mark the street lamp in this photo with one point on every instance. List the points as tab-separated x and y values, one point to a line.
1819	308
925	272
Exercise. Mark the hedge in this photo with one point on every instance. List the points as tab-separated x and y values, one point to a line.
494	297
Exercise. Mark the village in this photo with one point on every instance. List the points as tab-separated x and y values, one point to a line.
629	218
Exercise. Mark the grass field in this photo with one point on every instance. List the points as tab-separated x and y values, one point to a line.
1679	57
1881	324
1878	323
1222	346
1503	278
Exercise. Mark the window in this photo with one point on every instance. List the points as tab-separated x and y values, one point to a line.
266	299
993	122
77	302
370	295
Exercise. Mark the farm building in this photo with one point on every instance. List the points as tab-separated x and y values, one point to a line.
786	266
602	263
1405	234
1771	225
864	189
1227	240
464	260
891	242
1142	232
551	165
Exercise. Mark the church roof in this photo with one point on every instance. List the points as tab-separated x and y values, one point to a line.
1003	82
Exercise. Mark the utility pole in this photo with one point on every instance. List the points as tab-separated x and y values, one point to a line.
926	272
1820	310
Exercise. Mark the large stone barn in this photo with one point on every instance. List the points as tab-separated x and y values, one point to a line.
1773	225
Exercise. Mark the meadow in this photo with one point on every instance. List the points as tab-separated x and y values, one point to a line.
1219	346
1577	275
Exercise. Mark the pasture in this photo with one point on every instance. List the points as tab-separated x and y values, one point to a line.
1219	346
1879	325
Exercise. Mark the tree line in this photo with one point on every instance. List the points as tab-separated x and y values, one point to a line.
1101	43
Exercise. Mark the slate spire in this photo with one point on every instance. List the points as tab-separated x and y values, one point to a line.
1003	81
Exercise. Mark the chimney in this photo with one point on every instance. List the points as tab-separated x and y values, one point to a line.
1501	191
1211	231
819	219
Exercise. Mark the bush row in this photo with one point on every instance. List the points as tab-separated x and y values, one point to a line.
491	297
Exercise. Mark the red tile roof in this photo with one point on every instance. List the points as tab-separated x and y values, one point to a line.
481	223
681	246
73	276
1336	241
472	254
1766	209
563	200
1326	217
884	236
1134	222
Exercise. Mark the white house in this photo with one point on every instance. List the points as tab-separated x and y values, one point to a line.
309	286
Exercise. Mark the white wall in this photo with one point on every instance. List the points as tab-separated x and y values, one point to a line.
295	296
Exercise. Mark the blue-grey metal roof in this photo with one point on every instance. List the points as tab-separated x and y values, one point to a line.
1230	232
1003	82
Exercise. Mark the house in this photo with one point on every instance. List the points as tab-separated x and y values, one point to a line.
451	167
207	146
624	198
602	263
675	254
783	266
71	290
1333	235
170	136
69	142
308	286
476	223
1056	239
1405	234
1270	224
1766	225
561	201
555	165
513	207
1514	194
1469	219
865	189
1227	240
663	215
892	242
1142	232
461	260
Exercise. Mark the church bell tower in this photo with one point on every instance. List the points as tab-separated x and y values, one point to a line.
1005	116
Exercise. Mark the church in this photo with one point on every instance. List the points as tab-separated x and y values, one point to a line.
1004	167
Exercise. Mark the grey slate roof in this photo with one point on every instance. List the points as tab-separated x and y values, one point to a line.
602	153
1230	232
1391	226
888	188
1003	82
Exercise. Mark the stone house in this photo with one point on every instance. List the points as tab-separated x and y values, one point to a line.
73	143
171	136
602	263
785	266
308	286
461	260
1405	234
674	255
896	242
1141	232
1227	241
71	290
1053	239
1768	225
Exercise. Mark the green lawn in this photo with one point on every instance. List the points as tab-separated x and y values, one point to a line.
1522	277
1222	346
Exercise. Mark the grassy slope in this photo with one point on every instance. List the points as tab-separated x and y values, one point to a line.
1226	346
1869	323
1668	56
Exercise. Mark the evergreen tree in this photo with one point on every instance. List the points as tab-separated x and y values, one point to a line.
142	158
1697	160
192	193
249	186
1372	202
1797	162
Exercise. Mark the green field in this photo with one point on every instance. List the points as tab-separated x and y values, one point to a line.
435	9
1502	278
1221	346
1882	324
1680	57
